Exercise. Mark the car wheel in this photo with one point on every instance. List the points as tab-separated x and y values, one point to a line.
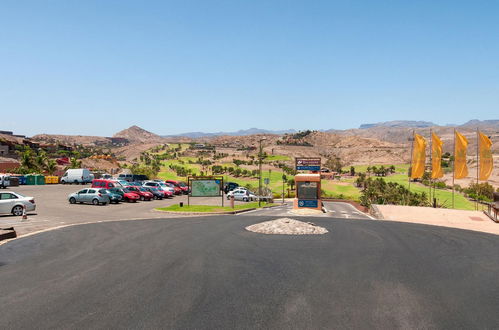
245	199
17	210
72	200
95	201
142	198
104	203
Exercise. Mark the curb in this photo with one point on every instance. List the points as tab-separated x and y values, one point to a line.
207	213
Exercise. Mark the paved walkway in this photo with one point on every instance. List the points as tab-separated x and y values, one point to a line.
470	220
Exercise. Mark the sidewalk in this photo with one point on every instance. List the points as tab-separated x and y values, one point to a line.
470	220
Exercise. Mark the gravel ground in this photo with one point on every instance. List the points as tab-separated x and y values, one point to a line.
287	226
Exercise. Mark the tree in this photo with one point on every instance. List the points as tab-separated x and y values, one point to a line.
352	171
334	164
51	166
74	163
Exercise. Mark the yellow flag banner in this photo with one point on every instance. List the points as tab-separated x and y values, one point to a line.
486	161
436	157
460	167
418	157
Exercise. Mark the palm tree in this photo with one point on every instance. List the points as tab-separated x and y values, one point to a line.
74	163
41	160
27	158
51	166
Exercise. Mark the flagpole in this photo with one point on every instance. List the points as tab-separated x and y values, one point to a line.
410	165
477	162
454	168
431	159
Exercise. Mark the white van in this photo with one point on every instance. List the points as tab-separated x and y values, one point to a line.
4	181
77	175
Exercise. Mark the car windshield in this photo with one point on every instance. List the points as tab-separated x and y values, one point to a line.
143	189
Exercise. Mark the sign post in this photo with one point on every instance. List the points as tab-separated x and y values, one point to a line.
308	164
308	186
205	186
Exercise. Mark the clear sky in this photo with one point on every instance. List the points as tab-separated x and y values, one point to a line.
95	67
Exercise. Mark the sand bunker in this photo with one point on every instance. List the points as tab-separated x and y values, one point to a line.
287	226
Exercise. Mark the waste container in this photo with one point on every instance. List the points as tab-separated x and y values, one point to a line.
39	179
30	179
22	179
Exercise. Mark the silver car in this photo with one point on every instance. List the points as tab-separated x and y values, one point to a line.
90	195
13	202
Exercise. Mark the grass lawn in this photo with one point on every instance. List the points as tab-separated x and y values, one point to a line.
273	158
443	196
399	168
333	189
211	208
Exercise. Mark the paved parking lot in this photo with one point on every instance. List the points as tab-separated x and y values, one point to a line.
53	209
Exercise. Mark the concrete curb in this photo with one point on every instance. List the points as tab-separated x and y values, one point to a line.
375	212
206	213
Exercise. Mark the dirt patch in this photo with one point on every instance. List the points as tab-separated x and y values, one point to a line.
287	226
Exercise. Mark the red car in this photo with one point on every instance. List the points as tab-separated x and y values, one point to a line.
183	187
127	195
176	188
142	192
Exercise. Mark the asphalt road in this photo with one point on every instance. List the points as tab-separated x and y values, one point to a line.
53	208
338	210
209	273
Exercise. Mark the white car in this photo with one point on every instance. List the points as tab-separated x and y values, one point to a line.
241	194
12	202
160	185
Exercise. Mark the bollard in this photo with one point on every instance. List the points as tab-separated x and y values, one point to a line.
25	216
181	204
232	201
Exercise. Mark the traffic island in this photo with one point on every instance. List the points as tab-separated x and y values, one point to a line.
211	209
287	226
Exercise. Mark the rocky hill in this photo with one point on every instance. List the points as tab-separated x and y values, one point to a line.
70	140
399	123
135	134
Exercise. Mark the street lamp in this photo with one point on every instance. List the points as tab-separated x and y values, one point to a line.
260	156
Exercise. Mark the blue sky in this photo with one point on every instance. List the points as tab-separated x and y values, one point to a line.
96	67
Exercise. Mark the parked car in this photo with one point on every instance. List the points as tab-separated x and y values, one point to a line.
4	181
229	186
126	195
106	184
113	196
13	202
76	176
161	186
180	187
176	189
91	196
142	192
241	195
157	194
133	177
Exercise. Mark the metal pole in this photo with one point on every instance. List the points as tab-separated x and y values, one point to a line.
454	168
477	163
260	175
283	189
410	165
431	161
